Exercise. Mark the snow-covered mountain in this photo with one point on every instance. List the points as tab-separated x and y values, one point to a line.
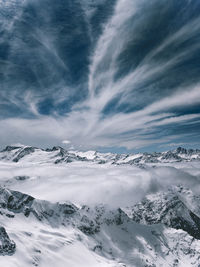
171	208
101	209
66	235
60	155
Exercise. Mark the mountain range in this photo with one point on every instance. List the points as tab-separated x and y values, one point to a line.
162	228
60	155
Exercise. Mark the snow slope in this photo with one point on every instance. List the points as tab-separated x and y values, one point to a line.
61	208
48	234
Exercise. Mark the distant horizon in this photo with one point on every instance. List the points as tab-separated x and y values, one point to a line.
100	150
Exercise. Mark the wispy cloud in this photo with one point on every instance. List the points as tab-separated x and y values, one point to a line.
135	92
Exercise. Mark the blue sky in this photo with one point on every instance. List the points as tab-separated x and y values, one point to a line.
112	75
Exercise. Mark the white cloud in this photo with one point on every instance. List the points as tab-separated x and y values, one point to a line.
86	125
66	142
112	185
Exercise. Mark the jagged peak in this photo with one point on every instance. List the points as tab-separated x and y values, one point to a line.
10	148
7	246
169	208
17	146
85	218
55	148
61	155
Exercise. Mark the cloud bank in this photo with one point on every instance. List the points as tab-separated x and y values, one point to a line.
118	186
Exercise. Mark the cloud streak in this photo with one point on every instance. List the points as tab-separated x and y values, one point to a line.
124	81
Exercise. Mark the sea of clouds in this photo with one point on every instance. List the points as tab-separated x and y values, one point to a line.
91	183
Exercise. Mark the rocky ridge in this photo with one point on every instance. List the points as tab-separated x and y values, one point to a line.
170	208
159	231
59	155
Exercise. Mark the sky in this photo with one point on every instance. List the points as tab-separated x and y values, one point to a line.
107	75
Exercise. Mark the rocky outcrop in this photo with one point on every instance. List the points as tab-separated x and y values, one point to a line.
86	219
7	246
23	153
16	202
169	209
112	232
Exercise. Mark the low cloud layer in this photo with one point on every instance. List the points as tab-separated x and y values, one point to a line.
89	183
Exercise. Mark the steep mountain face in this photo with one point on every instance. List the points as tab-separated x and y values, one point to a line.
108	236
87	219
33	154
15	153
59	155
7	247
169	208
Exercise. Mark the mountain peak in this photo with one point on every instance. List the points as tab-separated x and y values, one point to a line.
169	208
57	154
10	148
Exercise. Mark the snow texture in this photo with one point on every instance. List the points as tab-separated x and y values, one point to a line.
61	208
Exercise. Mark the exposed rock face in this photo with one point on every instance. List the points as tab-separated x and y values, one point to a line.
10	148
21	177
113	232
16	202
86	219
165	208
90	220
60	150
170	155
16	153
24	152
169	209
7	246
